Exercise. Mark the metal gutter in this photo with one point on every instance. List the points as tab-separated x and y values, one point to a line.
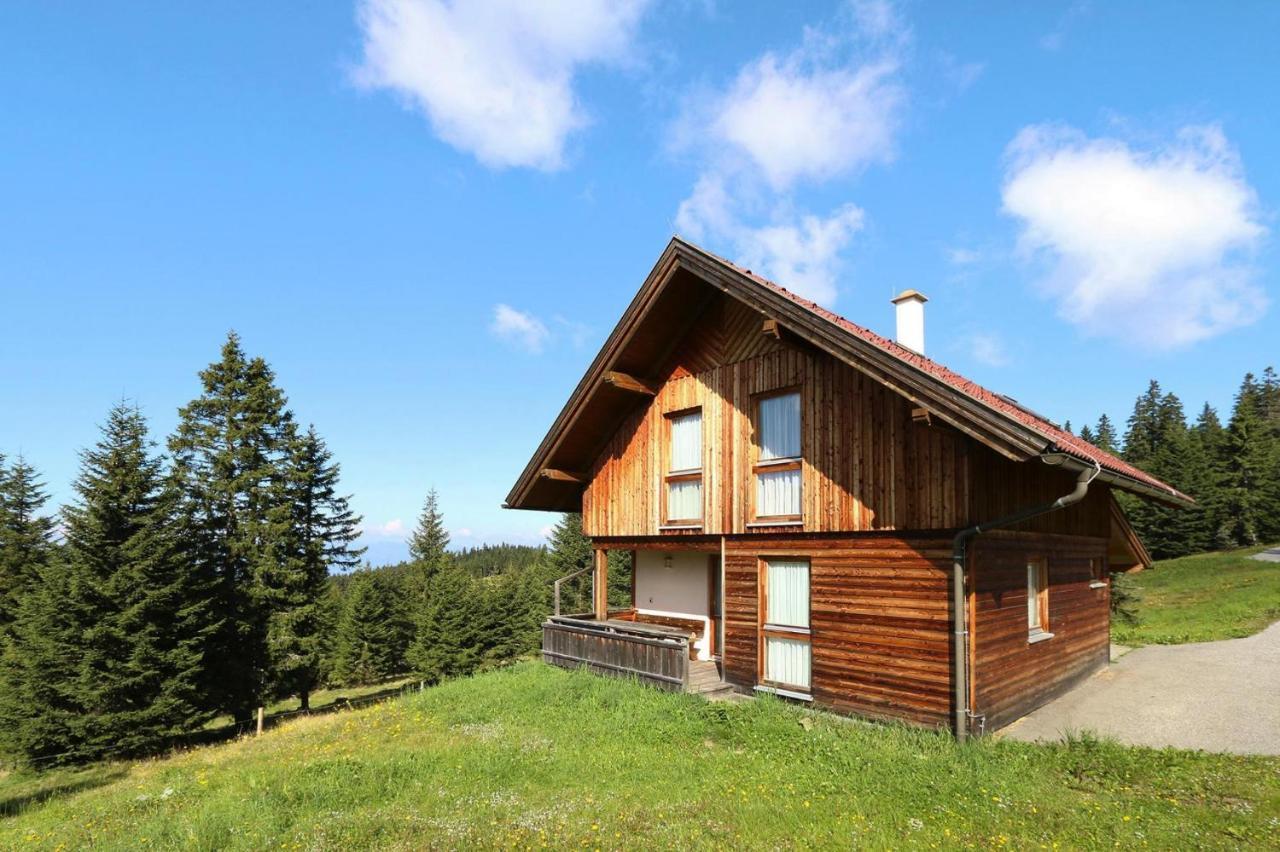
959	603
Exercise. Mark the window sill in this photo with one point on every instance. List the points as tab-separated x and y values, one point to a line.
665	527
785	693
1038	636
775	524
1098	584
777	462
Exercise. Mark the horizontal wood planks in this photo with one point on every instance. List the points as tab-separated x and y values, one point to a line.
879	617
1012	676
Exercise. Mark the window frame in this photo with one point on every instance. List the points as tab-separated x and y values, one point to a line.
685	475
780	465
767	630
1038	568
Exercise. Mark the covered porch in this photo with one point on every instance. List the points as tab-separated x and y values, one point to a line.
670	634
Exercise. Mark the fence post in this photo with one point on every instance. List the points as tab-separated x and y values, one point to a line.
260	713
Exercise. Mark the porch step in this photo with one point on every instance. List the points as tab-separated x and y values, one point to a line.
704	679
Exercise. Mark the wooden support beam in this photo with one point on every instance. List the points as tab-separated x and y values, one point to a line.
564	475
601	585
771	328
921	415
625	382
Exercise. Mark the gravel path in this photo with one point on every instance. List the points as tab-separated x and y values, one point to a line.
1272	555
1215	696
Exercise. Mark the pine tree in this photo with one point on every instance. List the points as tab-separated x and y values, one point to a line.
1157	442
230	457
1202	479
26	536
314	530
1086	434
429	543
1105	435
571	551
368	642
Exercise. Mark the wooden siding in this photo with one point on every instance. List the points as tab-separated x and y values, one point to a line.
879	618
867	465
1011	677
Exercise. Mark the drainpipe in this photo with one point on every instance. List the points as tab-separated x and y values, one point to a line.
959	604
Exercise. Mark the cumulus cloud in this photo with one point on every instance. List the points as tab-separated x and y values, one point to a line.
825	110
799	251
519	328
1149	244
495	78
391	529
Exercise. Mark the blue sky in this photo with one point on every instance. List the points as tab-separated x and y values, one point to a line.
427	218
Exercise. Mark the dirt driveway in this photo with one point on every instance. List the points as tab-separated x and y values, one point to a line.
1217	696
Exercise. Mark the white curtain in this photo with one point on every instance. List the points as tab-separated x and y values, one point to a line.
787	588
1033	596
780	427
787	661
777	493
686	442
684	500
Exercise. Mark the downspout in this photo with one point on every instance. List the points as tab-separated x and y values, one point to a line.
959	604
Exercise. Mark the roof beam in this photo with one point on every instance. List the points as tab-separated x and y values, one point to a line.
564	475
622	381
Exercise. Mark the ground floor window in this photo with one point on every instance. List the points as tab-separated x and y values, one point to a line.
786	652
1037	596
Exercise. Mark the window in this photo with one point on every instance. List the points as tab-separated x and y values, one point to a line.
786	653
1038	598
778	461
684	476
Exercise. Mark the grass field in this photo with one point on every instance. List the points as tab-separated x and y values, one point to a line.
533	756
322	700
1202	599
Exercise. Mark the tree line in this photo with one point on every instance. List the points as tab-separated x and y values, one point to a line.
224	574
1232	470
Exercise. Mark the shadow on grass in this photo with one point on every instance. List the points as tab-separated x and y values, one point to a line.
49	787
34	787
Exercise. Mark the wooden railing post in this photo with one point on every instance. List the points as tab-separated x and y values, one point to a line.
600	584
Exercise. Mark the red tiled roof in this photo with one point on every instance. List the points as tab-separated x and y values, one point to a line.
1059	439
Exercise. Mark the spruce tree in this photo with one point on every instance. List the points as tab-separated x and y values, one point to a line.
447	641
1245	464
571	551
1086	434
313	531
26	536
230	459
429	543
369	640
1104	436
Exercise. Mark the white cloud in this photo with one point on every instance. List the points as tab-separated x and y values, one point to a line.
1149	245
391	529
799	251
494	77
799	122
963	256
547	531
519	328
988	349
825	110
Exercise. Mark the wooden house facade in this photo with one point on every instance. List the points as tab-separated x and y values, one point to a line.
819	512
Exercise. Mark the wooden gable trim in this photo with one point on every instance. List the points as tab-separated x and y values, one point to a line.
1123	532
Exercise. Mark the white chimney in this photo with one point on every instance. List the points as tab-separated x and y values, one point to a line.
910	304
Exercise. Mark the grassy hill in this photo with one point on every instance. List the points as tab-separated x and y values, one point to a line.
1203	598
534	756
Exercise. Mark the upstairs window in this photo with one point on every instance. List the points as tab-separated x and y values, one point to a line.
778	461
684	468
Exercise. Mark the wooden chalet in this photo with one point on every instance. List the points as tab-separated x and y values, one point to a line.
822	513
